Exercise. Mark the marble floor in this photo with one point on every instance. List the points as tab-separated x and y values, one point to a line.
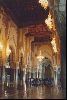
12	91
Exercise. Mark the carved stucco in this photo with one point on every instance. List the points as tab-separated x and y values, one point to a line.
12	36
8	33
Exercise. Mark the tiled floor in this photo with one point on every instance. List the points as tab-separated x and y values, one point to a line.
33	92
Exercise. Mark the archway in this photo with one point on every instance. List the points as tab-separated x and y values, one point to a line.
47	70
10	65
21	64
12	58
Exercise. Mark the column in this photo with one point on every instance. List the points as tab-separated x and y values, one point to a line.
14	74
17	67
63	61
5	41
30	72
55	76
24	75
38	69
17	58
41	71
55	69
3	76
37	72
25	50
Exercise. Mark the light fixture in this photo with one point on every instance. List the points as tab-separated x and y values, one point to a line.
53	42
44	3
8	51
49	22
40	57
1	46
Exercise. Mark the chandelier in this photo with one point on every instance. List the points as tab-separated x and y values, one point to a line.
40	57
44	3
53	42
49	22
8	51
1	46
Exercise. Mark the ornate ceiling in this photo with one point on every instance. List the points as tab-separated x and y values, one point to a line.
40	32
29	13
25	12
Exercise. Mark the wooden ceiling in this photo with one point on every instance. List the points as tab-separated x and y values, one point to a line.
40	32
25	12
29	13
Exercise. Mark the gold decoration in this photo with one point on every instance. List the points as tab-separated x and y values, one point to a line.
8	51
44	3
40	57
49	22
53	42
1	46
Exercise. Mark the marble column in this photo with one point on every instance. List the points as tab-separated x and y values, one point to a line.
24	76
56	77
17	67
17	58
30	72
3	75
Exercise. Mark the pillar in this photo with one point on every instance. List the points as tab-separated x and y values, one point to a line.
17	58
5	41
63	67
17	67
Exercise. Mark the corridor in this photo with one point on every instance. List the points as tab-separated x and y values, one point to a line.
33	49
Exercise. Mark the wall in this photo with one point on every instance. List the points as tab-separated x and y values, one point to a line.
8	34
59	14
13	37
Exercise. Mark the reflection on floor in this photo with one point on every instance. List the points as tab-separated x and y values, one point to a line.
11	91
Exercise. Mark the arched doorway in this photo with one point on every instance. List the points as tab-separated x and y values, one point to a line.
20	71
12	58
21	64
10	65
47	69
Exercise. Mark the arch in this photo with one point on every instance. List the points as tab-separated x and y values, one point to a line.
47	68
46	62
47	51
21	57
12	57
